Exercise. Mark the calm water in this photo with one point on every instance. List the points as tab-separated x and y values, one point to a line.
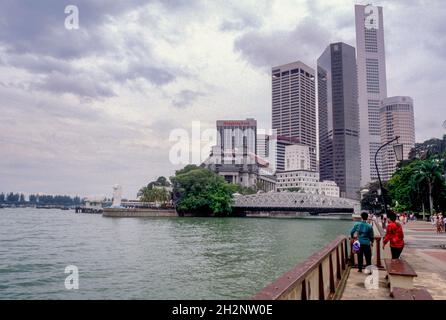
150	258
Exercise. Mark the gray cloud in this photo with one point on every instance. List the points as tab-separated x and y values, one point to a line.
186	98
305	42
241	22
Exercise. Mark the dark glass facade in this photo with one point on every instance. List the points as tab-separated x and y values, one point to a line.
337	87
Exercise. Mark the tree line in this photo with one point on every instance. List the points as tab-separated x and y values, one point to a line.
418	184
39	199
194	190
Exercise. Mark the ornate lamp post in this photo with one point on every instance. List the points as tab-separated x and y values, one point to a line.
398	149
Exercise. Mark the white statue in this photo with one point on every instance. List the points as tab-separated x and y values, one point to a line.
117	194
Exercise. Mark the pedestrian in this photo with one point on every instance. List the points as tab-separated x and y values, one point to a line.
394	235
438	223
365	237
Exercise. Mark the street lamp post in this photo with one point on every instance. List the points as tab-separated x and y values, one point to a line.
398	149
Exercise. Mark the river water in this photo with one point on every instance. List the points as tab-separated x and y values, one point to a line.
150	258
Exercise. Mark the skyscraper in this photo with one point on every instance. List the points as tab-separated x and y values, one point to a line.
294	105
372	86
397	119
339	151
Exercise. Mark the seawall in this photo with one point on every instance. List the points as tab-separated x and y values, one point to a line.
133	212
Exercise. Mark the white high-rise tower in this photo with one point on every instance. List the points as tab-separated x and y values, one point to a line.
372	86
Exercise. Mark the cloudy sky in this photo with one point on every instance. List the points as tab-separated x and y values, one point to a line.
83	109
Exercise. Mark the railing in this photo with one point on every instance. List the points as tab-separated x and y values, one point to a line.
318	277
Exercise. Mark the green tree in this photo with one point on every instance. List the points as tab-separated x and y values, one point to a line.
200	191
159	182
2	197
155	194
429	173
243	190
372	200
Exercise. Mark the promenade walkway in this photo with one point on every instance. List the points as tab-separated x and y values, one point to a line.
425	251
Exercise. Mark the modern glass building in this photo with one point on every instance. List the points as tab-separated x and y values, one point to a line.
397	119
339	150
372	83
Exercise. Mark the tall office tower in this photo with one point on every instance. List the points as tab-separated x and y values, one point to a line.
372	87
294	105
337	89
397	119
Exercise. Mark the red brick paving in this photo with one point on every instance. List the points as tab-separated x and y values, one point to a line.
436	254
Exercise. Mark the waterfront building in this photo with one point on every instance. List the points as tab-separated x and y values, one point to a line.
372	86
305	181
235	155
297	157
294	106
94	202
337	88
329	188
266	183
397	119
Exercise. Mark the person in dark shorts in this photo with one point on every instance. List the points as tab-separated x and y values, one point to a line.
365	238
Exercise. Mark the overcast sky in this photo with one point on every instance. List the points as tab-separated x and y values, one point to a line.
81	110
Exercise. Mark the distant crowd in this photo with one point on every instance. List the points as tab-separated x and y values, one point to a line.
401	217
439	222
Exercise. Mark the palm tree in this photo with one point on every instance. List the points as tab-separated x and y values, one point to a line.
428	173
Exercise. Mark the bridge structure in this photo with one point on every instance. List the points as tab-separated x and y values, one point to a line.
294	202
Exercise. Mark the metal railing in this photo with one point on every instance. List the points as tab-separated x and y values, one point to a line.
318	277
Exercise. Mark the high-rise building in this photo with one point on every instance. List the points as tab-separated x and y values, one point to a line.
294	105
339	151
397	119
372	86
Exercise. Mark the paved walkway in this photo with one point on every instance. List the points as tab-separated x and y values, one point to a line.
425	251
355	287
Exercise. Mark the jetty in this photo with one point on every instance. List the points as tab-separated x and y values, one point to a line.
331	273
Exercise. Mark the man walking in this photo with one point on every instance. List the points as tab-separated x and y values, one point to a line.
365	238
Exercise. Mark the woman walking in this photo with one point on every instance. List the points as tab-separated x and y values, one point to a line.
394	235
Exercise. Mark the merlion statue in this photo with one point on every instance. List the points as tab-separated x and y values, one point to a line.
117	194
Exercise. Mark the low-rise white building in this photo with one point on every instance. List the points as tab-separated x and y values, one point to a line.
306	181
329	188
297	157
